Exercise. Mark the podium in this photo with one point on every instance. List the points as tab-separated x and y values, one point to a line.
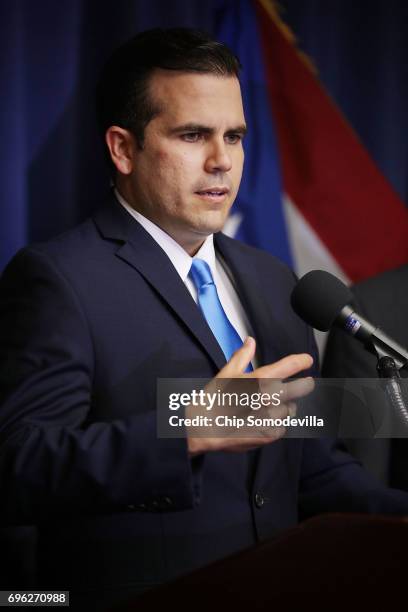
342	562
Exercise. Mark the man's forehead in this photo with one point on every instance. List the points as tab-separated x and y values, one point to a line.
179	90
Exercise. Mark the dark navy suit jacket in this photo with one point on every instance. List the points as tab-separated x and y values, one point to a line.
89	321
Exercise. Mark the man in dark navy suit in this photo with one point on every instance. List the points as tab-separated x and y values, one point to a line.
91	319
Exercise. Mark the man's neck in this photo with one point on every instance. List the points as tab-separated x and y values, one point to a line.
191	246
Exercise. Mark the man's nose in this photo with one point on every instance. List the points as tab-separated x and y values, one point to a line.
218	158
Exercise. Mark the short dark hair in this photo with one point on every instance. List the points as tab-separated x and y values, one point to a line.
122	96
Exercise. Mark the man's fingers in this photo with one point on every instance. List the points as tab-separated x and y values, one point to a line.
288	366
287	390
297	388
239	361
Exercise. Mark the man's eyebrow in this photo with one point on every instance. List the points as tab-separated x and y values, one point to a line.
240	129
205	129
192	127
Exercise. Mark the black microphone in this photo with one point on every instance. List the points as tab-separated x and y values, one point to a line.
322	300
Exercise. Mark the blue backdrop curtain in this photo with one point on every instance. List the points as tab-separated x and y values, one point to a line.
53	174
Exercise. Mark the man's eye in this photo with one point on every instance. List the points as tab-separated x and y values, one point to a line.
233	138
191	136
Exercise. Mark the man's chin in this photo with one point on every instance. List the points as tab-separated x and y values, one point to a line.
209	228
212	223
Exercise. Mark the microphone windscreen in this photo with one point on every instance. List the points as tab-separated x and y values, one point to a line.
319	297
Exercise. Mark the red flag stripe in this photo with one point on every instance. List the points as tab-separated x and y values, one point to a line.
326	170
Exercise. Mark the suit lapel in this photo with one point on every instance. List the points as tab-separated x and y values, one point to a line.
138	249
273	343
271	337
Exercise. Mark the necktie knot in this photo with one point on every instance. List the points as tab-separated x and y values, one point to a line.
201	274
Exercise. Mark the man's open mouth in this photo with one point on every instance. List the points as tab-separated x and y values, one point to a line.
213	192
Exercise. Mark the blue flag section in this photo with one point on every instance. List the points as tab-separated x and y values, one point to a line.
258	208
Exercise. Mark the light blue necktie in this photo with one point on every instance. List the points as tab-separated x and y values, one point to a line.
212	309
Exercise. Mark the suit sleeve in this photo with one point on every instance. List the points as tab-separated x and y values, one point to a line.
52	460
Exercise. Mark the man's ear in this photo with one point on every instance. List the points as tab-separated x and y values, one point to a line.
121	145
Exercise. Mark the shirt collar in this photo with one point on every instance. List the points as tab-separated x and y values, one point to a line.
180	259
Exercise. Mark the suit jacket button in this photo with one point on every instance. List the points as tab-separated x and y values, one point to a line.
259	500
167	502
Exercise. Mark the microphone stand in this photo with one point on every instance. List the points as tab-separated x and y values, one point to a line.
391	357
387	369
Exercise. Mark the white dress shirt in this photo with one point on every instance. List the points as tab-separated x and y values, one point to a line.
182	261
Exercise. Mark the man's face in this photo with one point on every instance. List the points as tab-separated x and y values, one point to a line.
186	177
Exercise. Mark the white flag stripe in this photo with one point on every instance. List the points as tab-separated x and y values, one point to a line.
232	224
309	253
